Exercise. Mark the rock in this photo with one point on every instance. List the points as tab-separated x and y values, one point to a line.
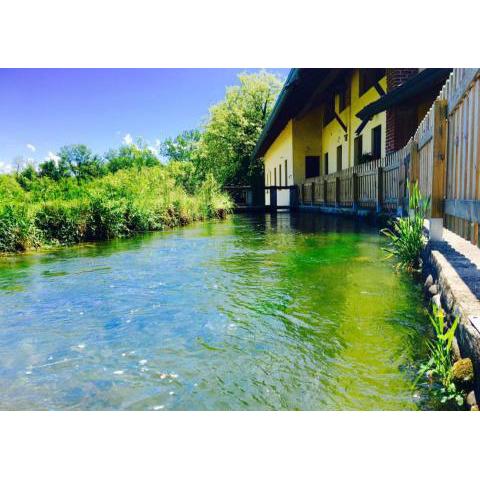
433	289
471	399
428	282
462	370
436	300
456	350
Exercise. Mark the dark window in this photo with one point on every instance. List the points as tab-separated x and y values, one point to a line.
275	177
368	77
280	175
325	164
329	111
357	149
286	176
377	142
339	158
312	166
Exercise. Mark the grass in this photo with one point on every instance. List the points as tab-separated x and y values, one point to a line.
439	366
116	205
406	238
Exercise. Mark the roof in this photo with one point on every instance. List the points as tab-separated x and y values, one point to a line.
299	87
303	84
413	86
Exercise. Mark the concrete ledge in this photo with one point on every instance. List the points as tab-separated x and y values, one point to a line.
455	264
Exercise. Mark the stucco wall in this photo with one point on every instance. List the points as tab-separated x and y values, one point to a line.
280	151
306	135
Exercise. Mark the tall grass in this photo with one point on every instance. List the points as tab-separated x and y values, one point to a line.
439	366
406	238
116	205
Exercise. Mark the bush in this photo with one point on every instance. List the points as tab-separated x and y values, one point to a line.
406	239
116	205
106	218
17	229
62	222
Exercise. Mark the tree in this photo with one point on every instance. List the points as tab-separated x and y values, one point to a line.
233	127
80	161
128	156
73	161
181	148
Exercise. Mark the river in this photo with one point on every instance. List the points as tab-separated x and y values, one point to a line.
285	311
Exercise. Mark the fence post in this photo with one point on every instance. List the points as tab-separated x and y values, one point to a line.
337	192
325	191
354	192
293	197
312	197
438	173
273	198
379	189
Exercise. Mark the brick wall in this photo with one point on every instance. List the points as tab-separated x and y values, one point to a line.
398	118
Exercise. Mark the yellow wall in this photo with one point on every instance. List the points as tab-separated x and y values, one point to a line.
306	136
307	141
280	150
333	134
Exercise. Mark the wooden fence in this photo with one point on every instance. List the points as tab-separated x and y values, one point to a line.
379	184
443	157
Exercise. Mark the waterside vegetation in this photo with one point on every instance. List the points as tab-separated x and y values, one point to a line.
406	239
77	195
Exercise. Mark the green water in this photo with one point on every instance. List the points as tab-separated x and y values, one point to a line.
257	312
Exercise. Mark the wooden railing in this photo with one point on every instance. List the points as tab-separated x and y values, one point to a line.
379	184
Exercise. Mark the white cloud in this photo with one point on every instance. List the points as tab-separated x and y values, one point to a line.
127	139
52	156
155	148
6	167
31	147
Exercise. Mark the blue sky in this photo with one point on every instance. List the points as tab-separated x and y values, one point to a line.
44	109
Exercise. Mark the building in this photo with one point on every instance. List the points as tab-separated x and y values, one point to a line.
326	120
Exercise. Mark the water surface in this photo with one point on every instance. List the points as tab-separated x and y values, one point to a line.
256	312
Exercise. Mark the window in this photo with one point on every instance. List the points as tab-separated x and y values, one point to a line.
329	110
312	166
275	176
368	77
377	142
325	164
339	158
286	176
280	175
357	150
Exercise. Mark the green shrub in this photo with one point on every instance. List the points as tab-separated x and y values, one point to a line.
17	229
106	218
62	222
69	210
406	238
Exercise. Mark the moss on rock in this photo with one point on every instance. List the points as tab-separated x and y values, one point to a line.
462	371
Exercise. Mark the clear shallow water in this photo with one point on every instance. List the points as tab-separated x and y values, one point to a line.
257	312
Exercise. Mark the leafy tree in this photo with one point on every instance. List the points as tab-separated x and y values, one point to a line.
27	176
80	161
53	169
129	156
233	128
181	148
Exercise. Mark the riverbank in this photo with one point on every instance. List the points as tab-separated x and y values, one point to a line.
117	205
452	280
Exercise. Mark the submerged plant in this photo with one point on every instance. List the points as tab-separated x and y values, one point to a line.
439	367
406	238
